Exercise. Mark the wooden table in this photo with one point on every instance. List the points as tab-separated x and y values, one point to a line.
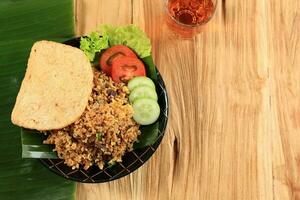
234	128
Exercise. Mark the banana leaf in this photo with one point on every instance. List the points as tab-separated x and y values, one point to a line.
33	147
22	23
148	136
150	67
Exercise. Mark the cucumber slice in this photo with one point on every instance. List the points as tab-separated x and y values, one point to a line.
140	81
146	111
142	92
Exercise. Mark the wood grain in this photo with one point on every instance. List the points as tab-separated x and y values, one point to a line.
234	92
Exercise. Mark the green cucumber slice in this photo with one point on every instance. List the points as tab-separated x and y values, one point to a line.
146	111
140	81
142	92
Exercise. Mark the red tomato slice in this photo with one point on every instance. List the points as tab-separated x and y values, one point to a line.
125	68
111	54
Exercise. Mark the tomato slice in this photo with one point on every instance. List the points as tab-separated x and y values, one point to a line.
125	68
111	54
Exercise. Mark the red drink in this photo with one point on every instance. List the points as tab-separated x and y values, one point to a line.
188	15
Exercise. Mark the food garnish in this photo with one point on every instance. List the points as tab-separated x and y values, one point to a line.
142	92
143	98
113	53
125	68
130	36
146	111
93	44
140	81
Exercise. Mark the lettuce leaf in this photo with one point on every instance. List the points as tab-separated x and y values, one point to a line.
130	35
92	44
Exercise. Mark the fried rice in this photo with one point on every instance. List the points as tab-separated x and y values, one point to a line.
103	133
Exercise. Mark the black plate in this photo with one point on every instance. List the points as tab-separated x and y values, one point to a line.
131	160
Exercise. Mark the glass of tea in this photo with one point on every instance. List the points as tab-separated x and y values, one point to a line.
187	17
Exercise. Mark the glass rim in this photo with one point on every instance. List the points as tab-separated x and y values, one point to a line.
192	25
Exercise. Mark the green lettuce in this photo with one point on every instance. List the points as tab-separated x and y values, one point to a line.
130	35
92	44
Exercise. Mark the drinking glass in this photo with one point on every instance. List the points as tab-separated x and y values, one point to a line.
187	17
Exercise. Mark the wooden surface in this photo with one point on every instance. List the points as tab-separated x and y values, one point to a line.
234	128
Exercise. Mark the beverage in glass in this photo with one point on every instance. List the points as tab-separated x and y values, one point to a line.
186	17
